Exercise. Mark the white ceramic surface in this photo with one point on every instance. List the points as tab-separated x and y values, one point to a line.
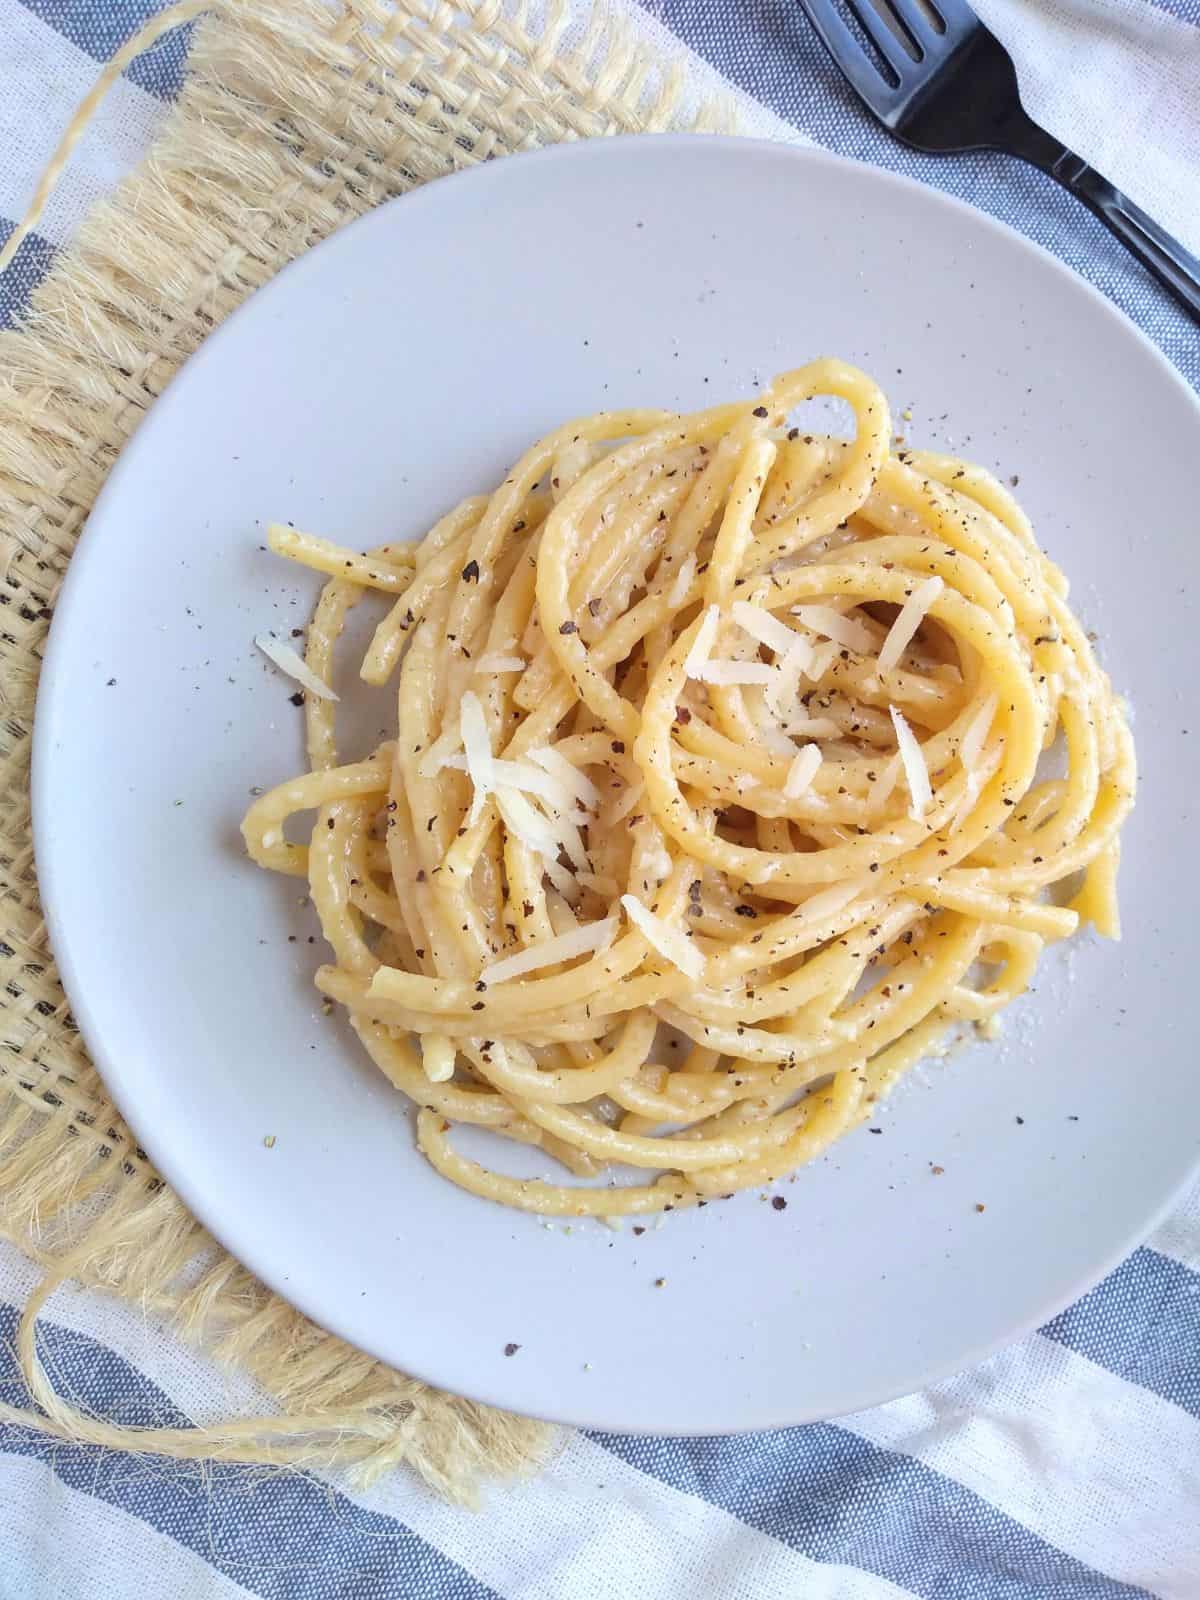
384	375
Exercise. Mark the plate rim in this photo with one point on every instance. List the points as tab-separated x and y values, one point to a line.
51	687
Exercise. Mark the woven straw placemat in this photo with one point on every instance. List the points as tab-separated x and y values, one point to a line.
296	116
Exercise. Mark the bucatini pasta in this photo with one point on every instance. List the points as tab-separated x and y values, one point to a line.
716	796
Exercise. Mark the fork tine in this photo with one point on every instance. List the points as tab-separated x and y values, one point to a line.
881	36
850	56
957	20
915	17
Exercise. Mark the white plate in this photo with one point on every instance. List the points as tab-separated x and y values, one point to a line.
394	369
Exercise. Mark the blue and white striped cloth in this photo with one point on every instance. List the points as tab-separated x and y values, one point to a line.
1067	1468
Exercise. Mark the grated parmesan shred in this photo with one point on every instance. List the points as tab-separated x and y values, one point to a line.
295	666
441	753
562	917
802	772
527	823
592	937
798	660
706	637
683	582
495	662
822	660
847	631
599	883
670	943
758	622
534	780
916	773
729	673
568	774
526	779
563	882
477	746
775	740
908	620
572	843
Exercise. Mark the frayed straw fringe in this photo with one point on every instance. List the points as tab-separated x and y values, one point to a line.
296	116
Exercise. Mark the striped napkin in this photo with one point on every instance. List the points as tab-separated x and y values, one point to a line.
1067	1468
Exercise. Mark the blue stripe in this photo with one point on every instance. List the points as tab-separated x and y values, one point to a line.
1183	10
100	28
280	1534
770	50
1143	1323
834	1497
26	270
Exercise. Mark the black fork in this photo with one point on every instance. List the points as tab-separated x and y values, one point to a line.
939	80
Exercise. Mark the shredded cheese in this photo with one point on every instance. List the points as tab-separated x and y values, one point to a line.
441	753
599	883
847	631
568	775
564	883
527	823
670	943
916	773
706	637
822	660
735	672
774	739
758	622
287	660
660	865
678	592
785	686
478	748
572	843
558	909
545	837
520	775
495	662
593	936
802	772
798	660
908	620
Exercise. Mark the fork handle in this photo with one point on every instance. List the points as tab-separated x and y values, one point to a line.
1163	257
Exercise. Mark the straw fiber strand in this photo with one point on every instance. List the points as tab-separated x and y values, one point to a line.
296	116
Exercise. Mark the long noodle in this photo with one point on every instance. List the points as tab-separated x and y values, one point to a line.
717	794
